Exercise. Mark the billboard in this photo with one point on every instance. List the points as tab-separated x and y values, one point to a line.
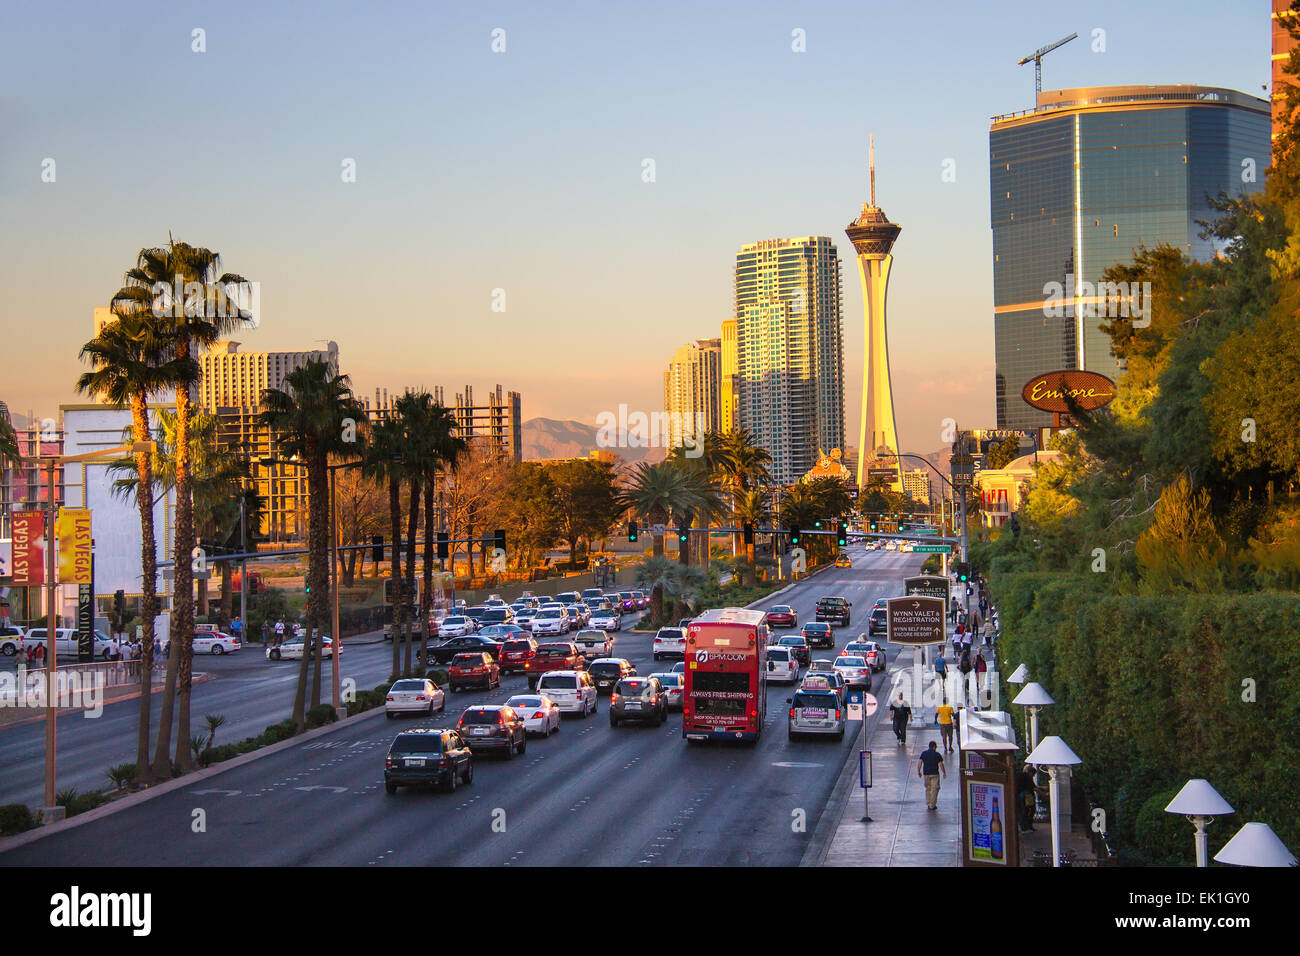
72	530
915	621
28	557
985	804
1048	392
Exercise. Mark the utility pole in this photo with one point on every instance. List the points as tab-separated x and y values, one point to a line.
243	577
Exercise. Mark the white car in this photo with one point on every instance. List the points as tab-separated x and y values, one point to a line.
674	688
215	642
456	626
291	649
574	692
854	670
669	641
607	619
539	713
594	643
551	620
781	665
415	696
11	640
524	616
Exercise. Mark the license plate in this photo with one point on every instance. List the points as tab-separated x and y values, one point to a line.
482	731
415	761
633	706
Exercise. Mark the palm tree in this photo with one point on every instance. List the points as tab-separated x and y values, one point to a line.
414	410
384	455
658	492
754	508
9	451
130	365
442	451
309	419
195	322
703	486
741	465
660	574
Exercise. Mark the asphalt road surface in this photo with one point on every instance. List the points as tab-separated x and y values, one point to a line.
590	795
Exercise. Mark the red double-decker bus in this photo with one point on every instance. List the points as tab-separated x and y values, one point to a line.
725	696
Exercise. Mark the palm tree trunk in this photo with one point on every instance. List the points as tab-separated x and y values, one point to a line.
183	617
412	526
399	610
318	566
226	602
426	602
149	584
657	549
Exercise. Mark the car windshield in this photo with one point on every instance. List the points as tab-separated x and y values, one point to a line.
850	662
671	633
474	716
669	680
467	660
497	614
452	621
633	687
549	613
594	635
516	646
792	641
524	702
557	682
822	701
817	628
878	612
409	685
554	650
417	744
778	654
606	670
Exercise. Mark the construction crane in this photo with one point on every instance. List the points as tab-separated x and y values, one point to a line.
1037	57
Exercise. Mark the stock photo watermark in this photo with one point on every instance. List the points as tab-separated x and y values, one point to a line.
624	429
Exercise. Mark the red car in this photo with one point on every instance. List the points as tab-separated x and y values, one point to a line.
783	615
560	656
474	670
516	653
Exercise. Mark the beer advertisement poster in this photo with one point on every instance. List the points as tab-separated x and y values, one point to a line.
986	806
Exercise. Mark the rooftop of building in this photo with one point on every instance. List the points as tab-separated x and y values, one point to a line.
1053	102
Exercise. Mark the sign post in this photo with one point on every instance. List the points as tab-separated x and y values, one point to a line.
864	781
916	621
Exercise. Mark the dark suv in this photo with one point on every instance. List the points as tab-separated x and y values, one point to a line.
493	727
427	756
608	672
819	634
638	698
878	624
473	670
834	609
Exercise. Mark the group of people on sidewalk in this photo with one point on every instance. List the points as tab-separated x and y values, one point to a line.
930	764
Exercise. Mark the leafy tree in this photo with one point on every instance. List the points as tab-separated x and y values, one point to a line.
1003	453
1182	548
586	500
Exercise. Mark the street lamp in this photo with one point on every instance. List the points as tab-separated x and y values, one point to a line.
1200	803
1054	756
1035	698
1255	844
1020	676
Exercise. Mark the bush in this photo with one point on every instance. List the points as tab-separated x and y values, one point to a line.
320	715
440	676
123	776
278	732
74	802
15	818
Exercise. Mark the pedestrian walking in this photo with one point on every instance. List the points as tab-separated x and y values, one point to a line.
279	631
975	625
39	655
981	676
927	768
1026	799
957	635
965	666
900	713
944	715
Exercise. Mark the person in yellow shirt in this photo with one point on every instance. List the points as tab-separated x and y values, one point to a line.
944	713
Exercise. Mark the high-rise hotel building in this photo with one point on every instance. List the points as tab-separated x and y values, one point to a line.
789	348
729	395
1077	185
693	390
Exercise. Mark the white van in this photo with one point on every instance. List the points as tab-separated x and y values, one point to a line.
66	643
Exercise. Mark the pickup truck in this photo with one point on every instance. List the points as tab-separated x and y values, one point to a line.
556	656
443	653
834	609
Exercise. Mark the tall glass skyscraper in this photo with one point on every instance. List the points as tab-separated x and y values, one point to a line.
1077	185
789	350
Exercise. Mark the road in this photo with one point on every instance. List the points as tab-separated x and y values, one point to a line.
590	795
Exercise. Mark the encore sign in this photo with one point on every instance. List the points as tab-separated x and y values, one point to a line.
1048	392
28	557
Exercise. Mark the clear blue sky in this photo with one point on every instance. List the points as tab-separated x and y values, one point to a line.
522	171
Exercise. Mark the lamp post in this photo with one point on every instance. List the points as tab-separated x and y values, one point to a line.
1034	697
1200	803
1020	676
1255	844
1054	756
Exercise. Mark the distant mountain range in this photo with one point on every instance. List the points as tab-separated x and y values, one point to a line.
549	438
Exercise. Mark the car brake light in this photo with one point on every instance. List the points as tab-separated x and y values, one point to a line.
540	713
837	715
390	696
614	698
791	711
388	763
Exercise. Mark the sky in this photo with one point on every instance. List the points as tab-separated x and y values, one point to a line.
525	171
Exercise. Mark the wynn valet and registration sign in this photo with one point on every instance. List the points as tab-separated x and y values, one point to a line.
915	620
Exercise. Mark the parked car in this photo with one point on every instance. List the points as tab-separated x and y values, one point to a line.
607	618
815	712
415	695
819	634
781	665
674	686
215	642
539	713
669	640
11	639
558	656
444	653
292	648
638	698
798	646
473	669
594	643
496	727
574	692
67	644
783	615
425	756
608	671
515	654
835	609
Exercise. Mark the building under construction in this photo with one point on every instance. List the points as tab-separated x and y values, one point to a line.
498	422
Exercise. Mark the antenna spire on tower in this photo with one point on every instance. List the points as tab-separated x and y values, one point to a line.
871	163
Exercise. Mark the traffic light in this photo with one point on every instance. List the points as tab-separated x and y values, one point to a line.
794	537
631	531
747	533
377	548
683	533
499	539
444	545
843	533
818	524
873	524
963	571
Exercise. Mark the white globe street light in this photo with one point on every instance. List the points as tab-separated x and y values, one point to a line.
1035	697
1053	755
1200	803
1255	844
1019	676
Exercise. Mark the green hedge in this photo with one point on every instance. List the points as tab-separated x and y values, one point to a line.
15	818
1149	692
